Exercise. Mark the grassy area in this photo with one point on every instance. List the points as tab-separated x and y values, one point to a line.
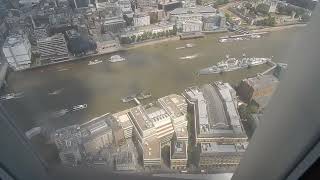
246	112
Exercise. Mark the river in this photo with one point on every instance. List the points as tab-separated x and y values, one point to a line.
155	68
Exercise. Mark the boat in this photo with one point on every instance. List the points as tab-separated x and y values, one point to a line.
143	95
56	92
232	64
127	98
210	70
189	45
33	132
180	47
79	107
94	62
11	96
189	57
116	58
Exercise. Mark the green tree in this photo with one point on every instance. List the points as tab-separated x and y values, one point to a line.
174	30
227	17
263	9
133	38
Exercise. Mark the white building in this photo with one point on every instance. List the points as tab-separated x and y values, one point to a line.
192	26
17	51
153	28
53	48
29	2
141	20
125	5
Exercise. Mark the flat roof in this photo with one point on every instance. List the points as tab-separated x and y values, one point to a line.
216	110
178	150
123	118
262	81
140	117
181	131
151	149
214	147
193	10
174	104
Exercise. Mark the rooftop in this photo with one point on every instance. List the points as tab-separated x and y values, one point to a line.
193	10
174	104
123	119
13	40
260	82
139	115
151	149
178	150
216	110
214	147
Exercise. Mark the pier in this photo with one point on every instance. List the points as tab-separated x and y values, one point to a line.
273	66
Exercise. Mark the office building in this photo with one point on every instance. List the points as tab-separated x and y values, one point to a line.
156	15
216	116
40	32
155	125
106	43
80	3
125	6
214	22
168	6
17	51
181	16
141	19
146	3
178	155
124	161
29	2
189	3
53	49
113	25
67	141
217	155
96	135
125	122
259	88
192	26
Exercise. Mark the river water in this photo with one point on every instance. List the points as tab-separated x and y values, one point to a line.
155	68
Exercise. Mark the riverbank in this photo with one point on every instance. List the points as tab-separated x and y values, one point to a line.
278	28
151	42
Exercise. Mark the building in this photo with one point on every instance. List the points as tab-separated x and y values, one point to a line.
215	114
67	141
153	28
114	25
29	2
216	155
259	88
125	122
189	3
106	43
214	22
178	155
146	3
126	157
181	16
40	32
155	125
80	3
17	52
125	6
96	135
272	5
156	15
53	49
192	26
168	6
141	19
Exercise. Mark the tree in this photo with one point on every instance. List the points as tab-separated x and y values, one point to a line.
227	17
263	9
133	38
175	30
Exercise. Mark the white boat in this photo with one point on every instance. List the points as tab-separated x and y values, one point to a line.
33	132
180	47
189	57
79	107
11	96
56	92
116	58
189	45
94	62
